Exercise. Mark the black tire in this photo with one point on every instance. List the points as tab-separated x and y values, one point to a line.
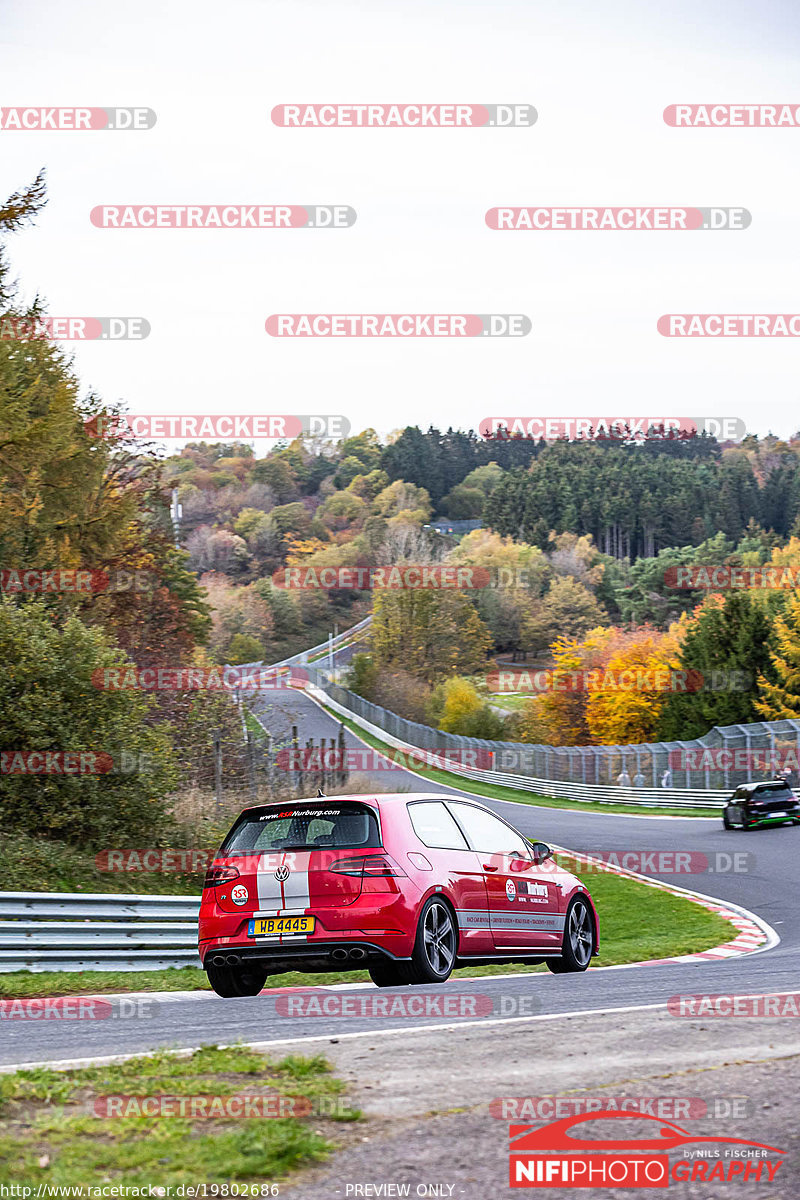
436	946
229	981
387	974
726	822
579	939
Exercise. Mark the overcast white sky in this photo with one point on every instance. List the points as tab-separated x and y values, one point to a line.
599	76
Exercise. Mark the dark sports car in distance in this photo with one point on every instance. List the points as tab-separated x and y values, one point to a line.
769	803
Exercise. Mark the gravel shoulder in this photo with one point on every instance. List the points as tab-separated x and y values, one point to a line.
426	1103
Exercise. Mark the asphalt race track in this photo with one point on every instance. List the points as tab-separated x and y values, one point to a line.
768	888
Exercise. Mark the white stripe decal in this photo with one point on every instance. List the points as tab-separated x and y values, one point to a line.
295	893
269	891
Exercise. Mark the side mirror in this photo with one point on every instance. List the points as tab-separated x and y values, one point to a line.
541	852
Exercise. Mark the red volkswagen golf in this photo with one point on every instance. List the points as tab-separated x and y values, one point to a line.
408	886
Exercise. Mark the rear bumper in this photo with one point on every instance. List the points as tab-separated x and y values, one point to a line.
382	925
764	816
338	955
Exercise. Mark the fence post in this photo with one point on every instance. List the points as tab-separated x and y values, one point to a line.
343	769
218	772
270	765
296	749
251	765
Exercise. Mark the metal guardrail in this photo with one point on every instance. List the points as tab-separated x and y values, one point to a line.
656	798
305	655
725	756
98	932
111	932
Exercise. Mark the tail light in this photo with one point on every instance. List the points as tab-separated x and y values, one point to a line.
219	873
374	866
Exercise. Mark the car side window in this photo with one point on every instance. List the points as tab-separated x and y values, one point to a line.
435	827
489	835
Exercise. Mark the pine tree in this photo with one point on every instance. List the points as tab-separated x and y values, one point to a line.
780	700
728	646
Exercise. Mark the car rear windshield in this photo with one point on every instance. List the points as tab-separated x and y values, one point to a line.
304	827
773	791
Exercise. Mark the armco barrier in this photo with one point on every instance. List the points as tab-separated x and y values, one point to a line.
314	652
589	793
588	773
599	767
96	932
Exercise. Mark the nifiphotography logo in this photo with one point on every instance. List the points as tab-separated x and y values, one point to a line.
631	1162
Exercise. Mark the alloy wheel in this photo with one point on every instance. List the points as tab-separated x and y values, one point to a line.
439	938
580	933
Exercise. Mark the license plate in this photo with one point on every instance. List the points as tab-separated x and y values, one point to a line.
269	926
778	814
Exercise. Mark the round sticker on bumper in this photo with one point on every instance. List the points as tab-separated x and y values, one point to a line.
239	894
511	889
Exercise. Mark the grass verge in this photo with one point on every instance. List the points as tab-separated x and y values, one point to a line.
29	864
637	922
50	1133
506	702
496	792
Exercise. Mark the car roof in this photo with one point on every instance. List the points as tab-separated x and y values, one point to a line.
753	787
379	799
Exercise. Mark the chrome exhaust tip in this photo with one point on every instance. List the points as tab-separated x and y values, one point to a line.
218	960
232	960
338	955
358	952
